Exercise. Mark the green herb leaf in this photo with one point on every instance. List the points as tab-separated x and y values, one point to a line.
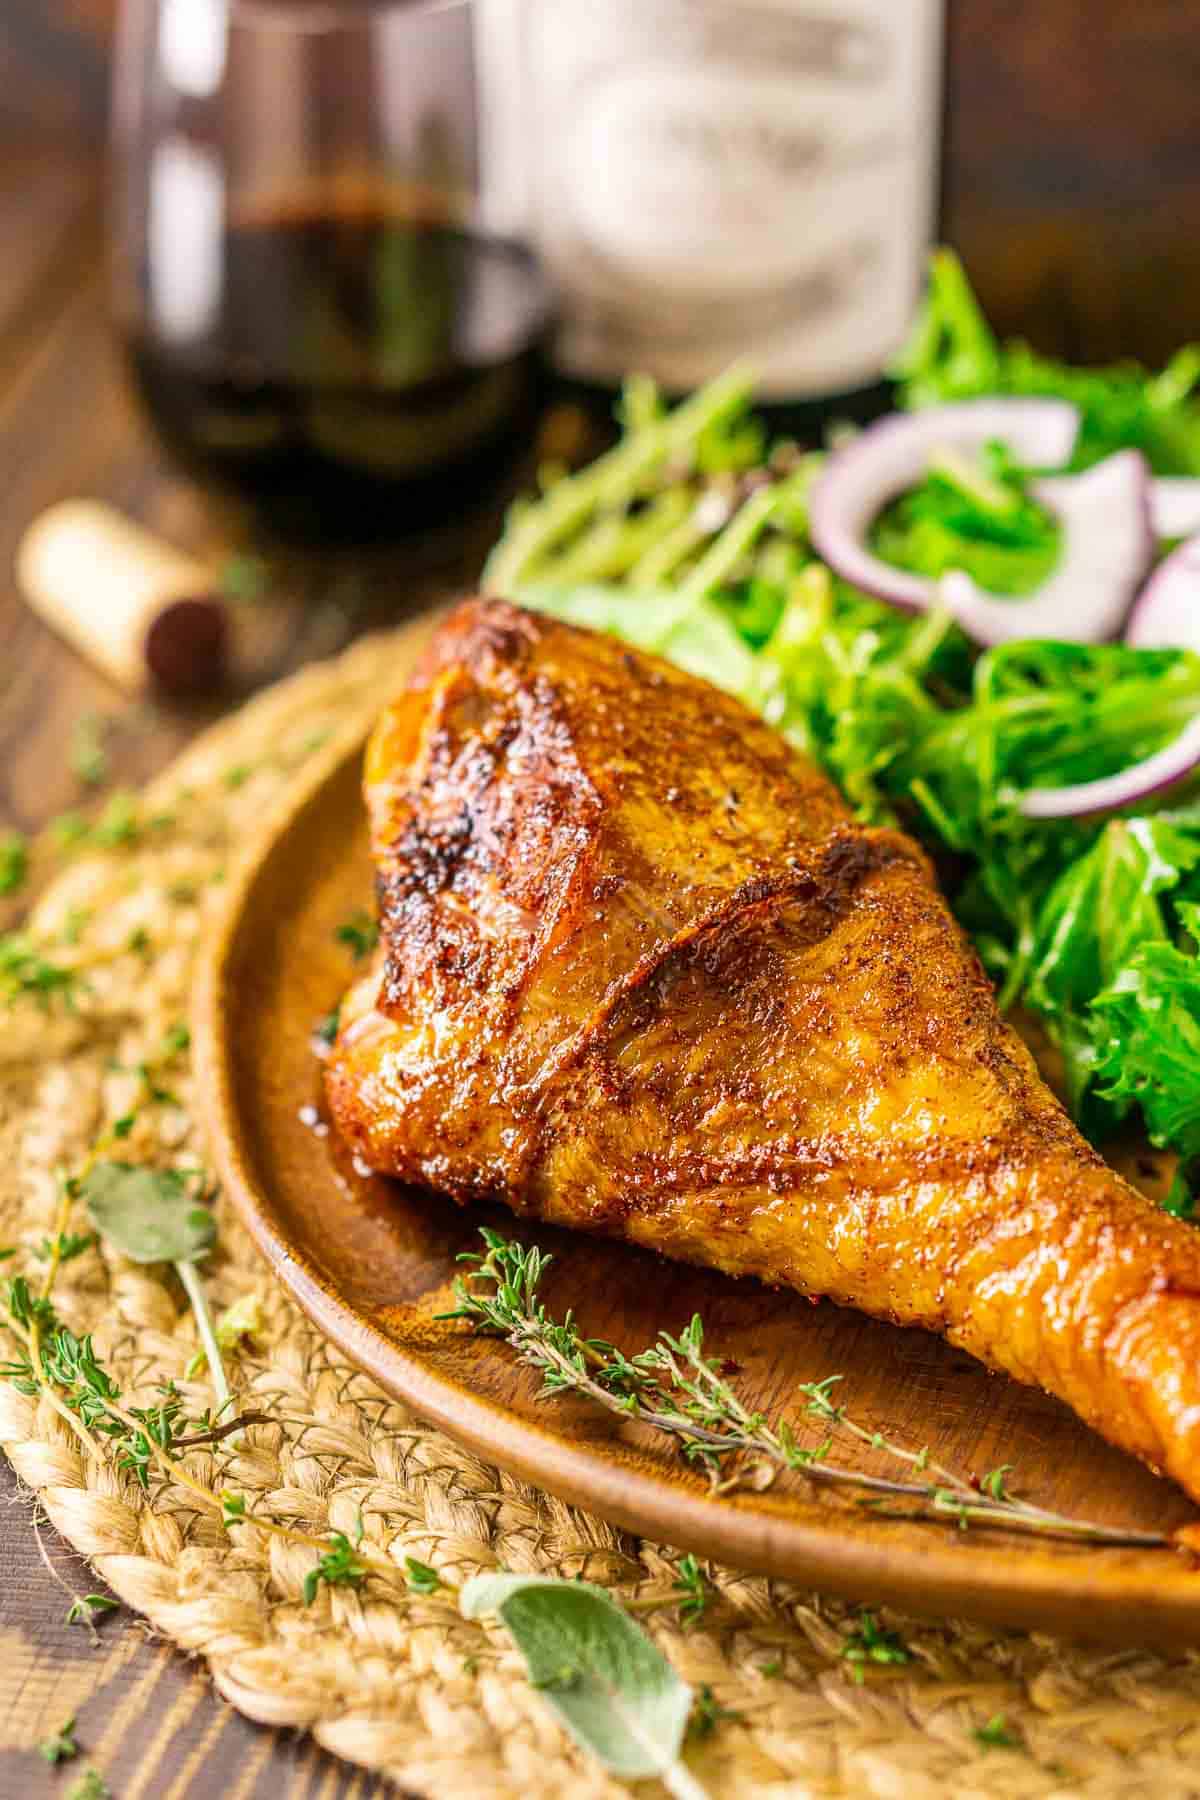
241	1320
609	1685
69	829
25	1306
90	1786
14	862
327	1029
89	759
1148	1043
974	516
84	1608
953	355
691	632
175	1041
120	823
359	933
707	1714
244	577
692	1583
60	1747
70	1244
870	1642
995	1735
26	973
687	1395
421	1579
338	1566
151	1215
992	1484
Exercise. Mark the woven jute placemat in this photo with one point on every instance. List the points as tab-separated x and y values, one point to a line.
440	1704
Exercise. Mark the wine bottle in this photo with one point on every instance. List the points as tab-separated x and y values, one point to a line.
715	180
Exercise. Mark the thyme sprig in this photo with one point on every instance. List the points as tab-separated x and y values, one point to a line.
148	1441
678	1390
152	1443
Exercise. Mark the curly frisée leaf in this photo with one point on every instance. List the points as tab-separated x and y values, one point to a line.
151	1215
615	1692
1148	1046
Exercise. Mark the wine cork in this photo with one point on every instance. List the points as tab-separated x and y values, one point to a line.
138	609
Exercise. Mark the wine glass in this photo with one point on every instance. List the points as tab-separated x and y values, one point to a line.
316	318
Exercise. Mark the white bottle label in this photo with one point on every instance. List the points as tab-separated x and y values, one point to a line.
714	179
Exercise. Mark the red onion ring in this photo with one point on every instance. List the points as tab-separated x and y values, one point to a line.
892	455
1175	505
1166	616
1138	782
1108	545
1167	613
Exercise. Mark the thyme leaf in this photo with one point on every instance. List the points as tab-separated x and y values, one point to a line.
88	756
339	1566
707	1714
359	933
420	1577
870	1642
90	1786
85	1606
14	862
692	1583
996	1735
60	1746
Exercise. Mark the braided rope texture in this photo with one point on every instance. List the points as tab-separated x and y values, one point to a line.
440	1704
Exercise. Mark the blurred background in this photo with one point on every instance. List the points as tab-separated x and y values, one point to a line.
1071	171
305	253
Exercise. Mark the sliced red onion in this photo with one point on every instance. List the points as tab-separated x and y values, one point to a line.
1167	613
893	454
1165	617
1175	505
1137	782
1107	546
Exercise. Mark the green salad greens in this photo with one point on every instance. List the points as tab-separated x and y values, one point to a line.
690	538
1014	542
954	355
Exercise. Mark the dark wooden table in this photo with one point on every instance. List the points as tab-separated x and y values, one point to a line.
147	1717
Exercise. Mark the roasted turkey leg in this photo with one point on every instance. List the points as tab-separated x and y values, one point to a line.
641	973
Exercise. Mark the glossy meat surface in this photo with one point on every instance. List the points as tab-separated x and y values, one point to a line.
641	973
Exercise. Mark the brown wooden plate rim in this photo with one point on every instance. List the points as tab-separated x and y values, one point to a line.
1101	1594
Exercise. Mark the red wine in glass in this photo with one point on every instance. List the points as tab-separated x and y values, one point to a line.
315	317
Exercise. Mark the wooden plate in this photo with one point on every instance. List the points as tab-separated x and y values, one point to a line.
372	1264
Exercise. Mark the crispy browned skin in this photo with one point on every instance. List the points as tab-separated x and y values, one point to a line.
643	974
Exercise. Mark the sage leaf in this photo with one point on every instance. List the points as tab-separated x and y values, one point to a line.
151	1215
612	1688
